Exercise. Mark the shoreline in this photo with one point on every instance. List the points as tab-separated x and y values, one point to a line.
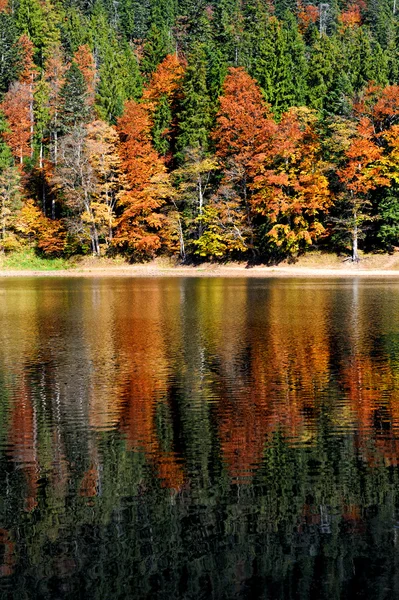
222	271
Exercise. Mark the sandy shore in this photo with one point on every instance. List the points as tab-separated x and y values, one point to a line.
231	270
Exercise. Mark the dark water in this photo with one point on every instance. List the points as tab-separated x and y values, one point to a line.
188	439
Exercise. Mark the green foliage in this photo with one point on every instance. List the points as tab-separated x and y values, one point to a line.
27	259
10	56
157	46
388	232
40	22
162	120
195	113
75	110
119	80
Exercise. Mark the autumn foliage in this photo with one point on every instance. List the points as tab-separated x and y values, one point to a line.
138	229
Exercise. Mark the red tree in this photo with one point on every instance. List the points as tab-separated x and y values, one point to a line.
85	61
139	226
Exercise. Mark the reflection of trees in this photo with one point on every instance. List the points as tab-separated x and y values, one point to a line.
197	439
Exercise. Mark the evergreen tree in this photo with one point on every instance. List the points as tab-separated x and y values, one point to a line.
323	65
195	115
76	31
296	50
6	158
230	30
161	119
9	54
282	6
157	46
119	80
273	67
39	21
75	110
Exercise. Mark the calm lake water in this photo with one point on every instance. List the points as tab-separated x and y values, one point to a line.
199	438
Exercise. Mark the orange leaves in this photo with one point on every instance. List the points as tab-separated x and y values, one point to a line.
85	61
280	163
289	183
138	228
244	122
307	15
29	69
16	108
351	18
362	172
165	80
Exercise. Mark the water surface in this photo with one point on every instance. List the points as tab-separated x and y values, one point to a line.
199	438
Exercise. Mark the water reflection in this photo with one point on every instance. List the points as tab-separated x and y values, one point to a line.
199	439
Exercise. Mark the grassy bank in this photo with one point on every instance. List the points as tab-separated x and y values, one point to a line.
27	260
313	264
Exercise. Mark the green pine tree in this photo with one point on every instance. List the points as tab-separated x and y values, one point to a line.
162	119
75	110
119	80
9	55
156	47
195	118
323	66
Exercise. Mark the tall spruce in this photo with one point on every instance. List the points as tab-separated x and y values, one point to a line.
10	62
195	114
74	108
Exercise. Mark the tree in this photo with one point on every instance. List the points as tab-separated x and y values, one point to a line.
193	187
10	60
75	180
10	191
54	76
84	59
359	176
16	108
195	117
289	183
139	225
101	147
119	80
75	110
161	96
244	127
39	21
157	47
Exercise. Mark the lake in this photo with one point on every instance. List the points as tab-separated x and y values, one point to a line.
199	439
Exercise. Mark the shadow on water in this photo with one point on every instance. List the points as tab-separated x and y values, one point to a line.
194	439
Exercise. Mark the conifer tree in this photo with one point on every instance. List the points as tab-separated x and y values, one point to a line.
158	45
162	118
73	94
9	55
298	69
119	80
323	65
39	21
195	114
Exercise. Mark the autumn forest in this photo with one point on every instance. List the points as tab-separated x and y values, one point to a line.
228	129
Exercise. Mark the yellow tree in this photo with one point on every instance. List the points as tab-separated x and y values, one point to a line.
290	187
102	148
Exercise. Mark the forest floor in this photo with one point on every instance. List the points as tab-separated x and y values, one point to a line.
314	264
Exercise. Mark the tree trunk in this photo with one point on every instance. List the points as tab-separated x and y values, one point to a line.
3	218
200	203
355	254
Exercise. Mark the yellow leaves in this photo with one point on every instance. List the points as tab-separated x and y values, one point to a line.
390	161
224	231
289	184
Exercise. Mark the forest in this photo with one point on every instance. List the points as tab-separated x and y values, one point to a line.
203	130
